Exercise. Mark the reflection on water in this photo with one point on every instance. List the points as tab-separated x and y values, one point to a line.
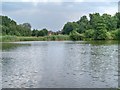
64	64
0	70
9	46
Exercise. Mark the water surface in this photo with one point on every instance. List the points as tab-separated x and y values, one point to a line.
60	64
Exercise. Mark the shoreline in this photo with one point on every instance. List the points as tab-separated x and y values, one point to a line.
45	38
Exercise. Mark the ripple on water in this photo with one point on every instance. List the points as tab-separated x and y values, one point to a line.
75	65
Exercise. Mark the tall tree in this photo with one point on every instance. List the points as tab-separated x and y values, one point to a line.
43	32
94	19
118	19
110	21
83	24
35	32
26	25
100	32
70	26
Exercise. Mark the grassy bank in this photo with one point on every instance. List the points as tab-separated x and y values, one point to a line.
45	38
9	38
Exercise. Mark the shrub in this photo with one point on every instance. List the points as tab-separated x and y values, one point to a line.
74	35
89	33
115	34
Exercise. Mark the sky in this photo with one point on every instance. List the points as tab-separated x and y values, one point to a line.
53	14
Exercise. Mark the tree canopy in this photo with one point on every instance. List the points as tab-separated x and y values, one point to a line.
97	27
10	27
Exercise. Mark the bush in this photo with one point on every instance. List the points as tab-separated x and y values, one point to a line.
109	37
115	34
100	34
89	33
8	38
74	35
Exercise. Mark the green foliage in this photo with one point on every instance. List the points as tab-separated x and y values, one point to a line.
8	38
70	26
110	22
83	24
38	33
43	32
94	19
35	32
10	27
74	35
98	27
89	33
115	34
118	19
100	32
118	34
108	36
57	37
26	25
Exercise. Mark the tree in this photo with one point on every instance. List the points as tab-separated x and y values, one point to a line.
94	19
99	27
89	33
118	19
68	27
43	32
100	32
74	35
83	24
7	21
110	21
26	25
26	29
118	34
35	32
10	27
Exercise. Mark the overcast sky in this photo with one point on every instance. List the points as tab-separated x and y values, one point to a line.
53	14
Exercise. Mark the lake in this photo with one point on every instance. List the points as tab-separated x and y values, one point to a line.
60	64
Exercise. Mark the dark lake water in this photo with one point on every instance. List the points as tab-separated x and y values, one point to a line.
60	64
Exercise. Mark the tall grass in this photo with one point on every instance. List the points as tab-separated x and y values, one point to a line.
8	38
45	38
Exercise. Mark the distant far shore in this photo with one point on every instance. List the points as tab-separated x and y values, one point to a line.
9	38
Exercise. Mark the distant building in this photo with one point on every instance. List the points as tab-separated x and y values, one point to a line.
50	33
54	33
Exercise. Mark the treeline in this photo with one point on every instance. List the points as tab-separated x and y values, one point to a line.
10	27
98	27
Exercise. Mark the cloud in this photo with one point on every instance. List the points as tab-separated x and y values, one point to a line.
59	1
53	15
